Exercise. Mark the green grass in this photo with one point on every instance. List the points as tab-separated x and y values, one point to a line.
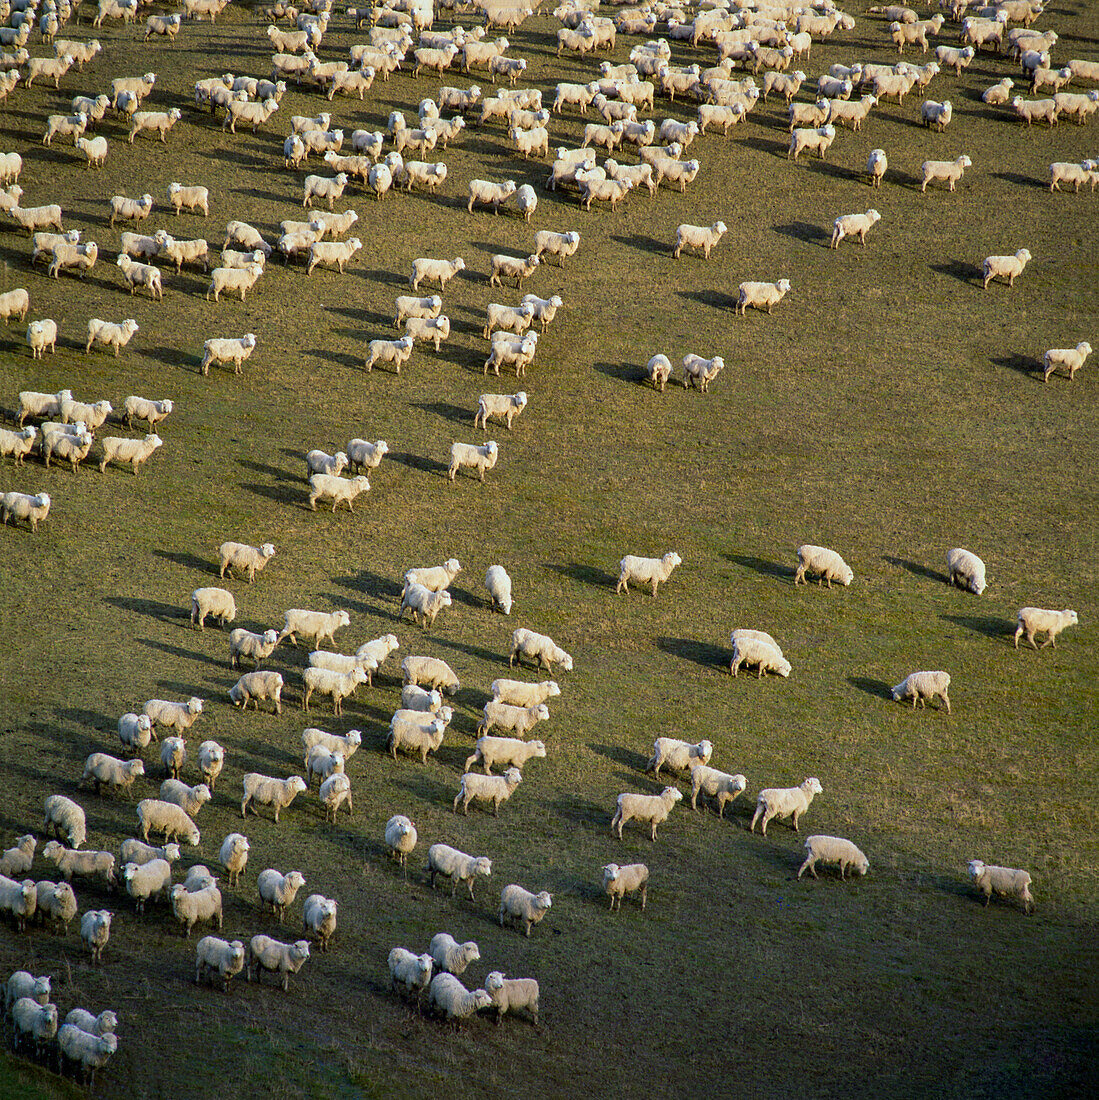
889	408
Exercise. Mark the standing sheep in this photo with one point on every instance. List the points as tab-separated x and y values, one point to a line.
824	562
524	907
167	818
319	918
853	225
619	881
400	839
1071	359
278	890
948	170
783	802
411	971
832	849
1005	881
698	236
1005	267
177	716
717	784
498	585
680	756
449	955
65	819
1035	620
511	993
173	755
265	953
254	686
95	931
487	788
216	602
217	956
646	570
262	790
538	648
233	856
457	866
653	808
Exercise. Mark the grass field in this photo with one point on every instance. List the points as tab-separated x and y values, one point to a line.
889	408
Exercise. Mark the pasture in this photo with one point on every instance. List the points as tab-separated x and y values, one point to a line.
889	408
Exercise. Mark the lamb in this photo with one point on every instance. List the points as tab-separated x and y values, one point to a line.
242	279
95	931
216	602
760	295
966	570
619	881
539	648
487	193
487	788
17	444
1035	620
522	906
754	651
145	881
363	455
322	763
852	225
245	236
923	686
142	408
177	716
457	866
1071	359
948	170
36	1022
137	852
233	856
517	720
101	768
278	890
262	790
265	953
451	957
1030	110
477	458
827	563
411	971
1008	882
815	141
646	570
197	906
18	860
14	303
424	269
41	336
24	984
64	818
701	372
782	802
1005	267
678	755
833	849
316	625
217	956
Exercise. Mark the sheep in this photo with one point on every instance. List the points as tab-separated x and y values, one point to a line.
167	818
265	953
815	141
139	853
835	87
760	295
430	671
158	122
400	838
17	444
487	193
94	150
1030	110
342	663
434	330
545	309
364	455
245	236
451	999
1035	620
323	763
145	881
338	685
110	334
833	849
921	687
36	1022
619	881
1071	359
319	918
782	802
90	1051
1077	106
82	257
140	275
824	562
513	993
515	319
507	350
966	570
416	698
457	866
320	462
876	165
18	506
700	372
1008	882
24	984
66	125
135	731
257	646
41	335
855	225
754	651
520	905
95	931
279	891
173	755
316	625
948	170
177	716
477	458
166	25
424	174
262	790
416	732
242	279
82	52
101	768
333	792
71	446
55	904
1005	267
333	252
647	570
450	956
64	818
18	860
191	907
14	303
506	751
254	114
351	83
213	601
411	971
651	808
949	57
241	556
142	408
338	490
678	755
124	209
1042	77
1084	70
390	351
217	956
20	899
517	720
538	648
423	602
999	94
233	856
408	305
487	788
254	686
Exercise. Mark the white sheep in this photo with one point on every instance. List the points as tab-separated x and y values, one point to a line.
142	408
44	405
213	601
64	818
876	166
1005	267
24	984
217	956
817	140
854	225
319	626
628	879
1078	106
101	768
241	556
1068	172
430	270
36	1023
167	818
515	319
966	569
416	698
103	1024
323	763
336	684
824	562
516	720
717	784
320	462
91	1052
263	790
416	732
487	193
921	687
698	236
145	881
512	993
95	931
191	907
422	602
245	236
408	305
487	788
784	802
18	860
512	267
319	919
278	890
669	752
435	330
400	838
332	252
135	731
430	671
833	849
457	866
157	122
450	956
522	694
1071	359
233	856
334	791
538	648
497	582
753	650
254	686
450	998
173	755
18	506
265	953
41	337
131	452
17	444
508	350
524	907
948	170
347	744
651	808
390	351
411	971
479	458
1035	620
56	904
1008	882
227	278
243	643
223	349
140	853
364	455
760	295
1031	110
650	571
506	751
14	303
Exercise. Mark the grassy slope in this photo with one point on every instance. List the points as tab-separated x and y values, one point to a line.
889	408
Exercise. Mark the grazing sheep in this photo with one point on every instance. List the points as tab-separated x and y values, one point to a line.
966	570
833	849
14	303
653	809
701	372
1035	620
619	881
948	170
827	563
217	956
760	295
678	755
64	818
450	956
646	570
167	818
518	720
233	856
1005	267
521	694
451	999
334	791
999	94
921	687
487	788
817	141
279	891
431	672
254	686
524	907
1071	359
784	802
1008	882
101	768
497	582
853	225
538	648
262	790
95	931
265	953
213	601
145	881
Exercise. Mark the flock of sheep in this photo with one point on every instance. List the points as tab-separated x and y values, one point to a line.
766	41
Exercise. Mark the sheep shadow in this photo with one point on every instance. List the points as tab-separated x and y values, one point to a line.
468	599
177	651
711	298
774	148
172	357
164	612
336	358
188	561
763	566
624	372
1024	364
585	574
956	269
383	275
79	716
271	471
445	410
644	244
700	653
491	656
803	231
371	584
877	688
280	496
418	462
581	812
633	760
990	627
1021	180
917	570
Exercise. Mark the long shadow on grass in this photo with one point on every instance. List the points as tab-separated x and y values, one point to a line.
803	231
269	471
877	688
280	496
172	357
473	650
634	760
983	624
645	244
257	754
82	717
963	272
772	855
918	570
1021	180
441	408
699	653
339	359
1024	364
188	561
581	811
762	566
166	613
176	651
418	462
709	298
775	148
585	574
624	372
371	584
